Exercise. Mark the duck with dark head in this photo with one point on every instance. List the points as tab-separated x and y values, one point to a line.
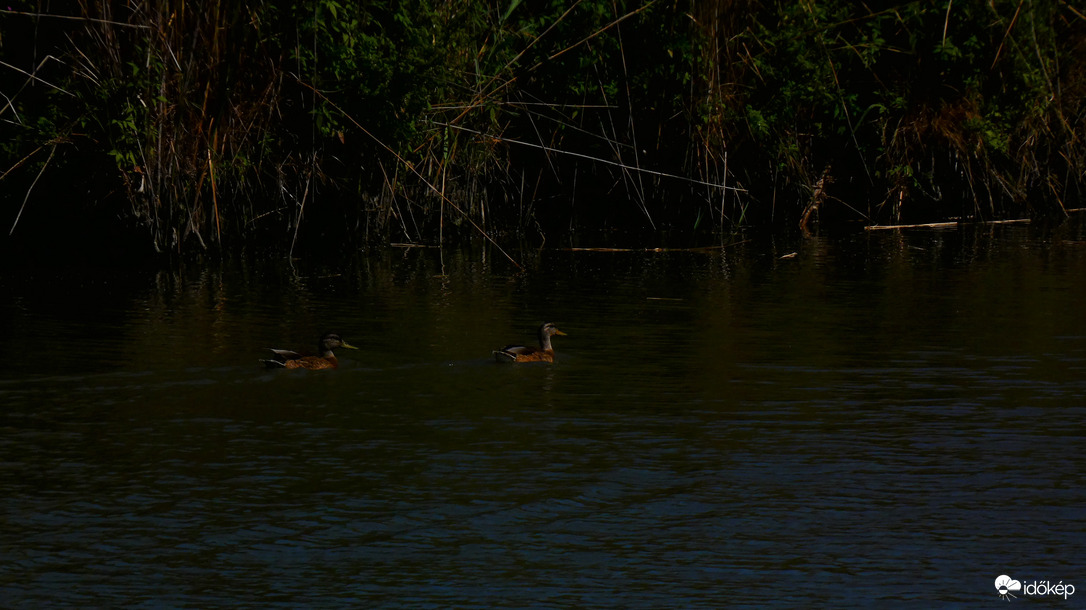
527	353
286	359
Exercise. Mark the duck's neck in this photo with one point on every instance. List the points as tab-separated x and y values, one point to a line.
545	342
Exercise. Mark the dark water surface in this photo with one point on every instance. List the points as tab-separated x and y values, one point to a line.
880	420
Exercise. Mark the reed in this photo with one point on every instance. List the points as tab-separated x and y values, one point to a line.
324	124
906	111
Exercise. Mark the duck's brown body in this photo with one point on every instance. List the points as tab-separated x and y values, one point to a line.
287	359
522	353
525	353
312	363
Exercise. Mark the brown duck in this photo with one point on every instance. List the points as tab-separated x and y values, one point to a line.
287	359
526	353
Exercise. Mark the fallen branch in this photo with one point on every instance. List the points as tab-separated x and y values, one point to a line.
950	224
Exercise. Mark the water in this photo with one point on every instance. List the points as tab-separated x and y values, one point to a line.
882	419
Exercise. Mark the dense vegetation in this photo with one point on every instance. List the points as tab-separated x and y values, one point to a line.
191	125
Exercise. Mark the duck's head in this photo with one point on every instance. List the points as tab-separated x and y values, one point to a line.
546	331
549	329
331	341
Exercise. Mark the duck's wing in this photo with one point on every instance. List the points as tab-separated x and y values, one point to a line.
519	349
282	355
280	358
511	352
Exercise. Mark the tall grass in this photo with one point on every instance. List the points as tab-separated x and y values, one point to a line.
888	111
320	123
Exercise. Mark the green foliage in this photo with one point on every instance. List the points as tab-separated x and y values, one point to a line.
373	60
873	89
229	119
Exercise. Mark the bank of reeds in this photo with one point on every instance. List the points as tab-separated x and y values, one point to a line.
327	122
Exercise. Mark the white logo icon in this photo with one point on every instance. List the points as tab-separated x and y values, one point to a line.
1005	584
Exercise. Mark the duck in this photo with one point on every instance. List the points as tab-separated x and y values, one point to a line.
524	353
286	359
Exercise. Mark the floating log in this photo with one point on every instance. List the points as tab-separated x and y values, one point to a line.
947	225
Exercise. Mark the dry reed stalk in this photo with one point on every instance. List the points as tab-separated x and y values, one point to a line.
482	95
412	169
31	189
298	220
595	159
1010	27
74	18
214	197
31	77
639	187
599	31
21	162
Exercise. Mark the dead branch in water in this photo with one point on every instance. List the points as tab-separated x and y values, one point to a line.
950	224
818	196
962	223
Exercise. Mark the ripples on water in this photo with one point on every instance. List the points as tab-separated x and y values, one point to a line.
878	420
